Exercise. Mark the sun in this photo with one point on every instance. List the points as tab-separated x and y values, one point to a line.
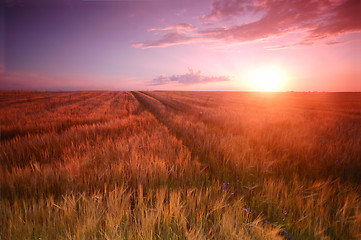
268	79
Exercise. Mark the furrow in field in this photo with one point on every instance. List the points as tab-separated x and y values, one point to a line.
290	138
259	171
186	131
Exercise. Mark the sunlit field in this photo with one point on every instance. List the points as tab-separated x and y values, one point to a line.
180	165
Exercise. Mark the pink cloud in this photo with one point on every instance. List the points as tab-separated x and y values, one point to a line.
178	27
191	77
169	39
176	34
317	20
343	18
334	42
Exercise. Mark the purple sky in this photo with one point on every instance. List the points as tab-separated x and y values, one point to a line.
180	45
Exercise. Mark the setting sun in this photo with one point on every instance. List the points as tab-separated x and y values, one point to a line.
268	79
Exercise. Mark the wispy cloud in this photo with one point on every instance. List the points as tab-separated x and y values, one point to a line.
317	20
334	42
176	34
191	77
169	39
180	27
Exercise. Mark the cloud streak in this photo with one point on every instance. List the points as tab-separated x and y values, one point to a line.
180	27
317	20
191	77
168	39
176	34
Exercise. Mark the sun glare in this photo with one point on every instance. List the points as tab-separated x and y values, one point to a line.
268	79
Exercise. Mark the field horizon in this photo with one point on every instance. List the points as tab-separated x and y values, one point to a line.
95	164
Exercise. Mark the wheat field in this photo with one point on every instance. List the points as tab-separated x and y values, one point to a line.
180	165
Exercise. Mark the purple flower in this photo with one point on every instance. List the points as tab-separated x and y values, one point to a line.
284	212
246	210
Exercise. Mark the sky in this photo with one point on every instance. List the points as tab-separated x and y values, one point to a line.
236	45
